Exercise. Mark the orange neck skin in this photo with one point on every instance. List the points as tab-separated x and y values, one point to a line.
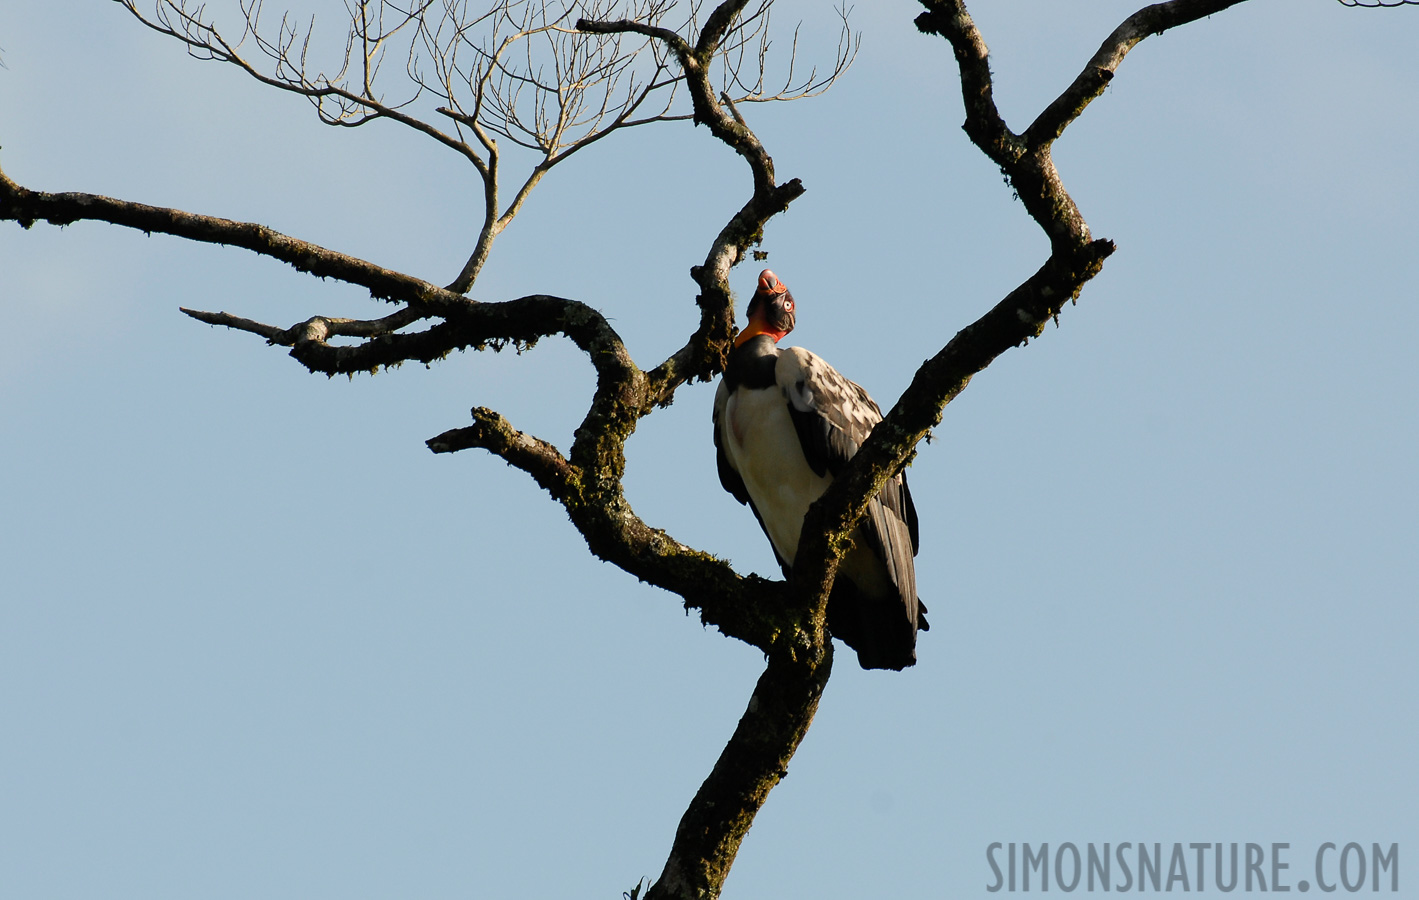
756	328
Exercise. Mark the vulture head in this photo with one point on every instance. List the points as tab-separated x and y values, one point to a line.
771	310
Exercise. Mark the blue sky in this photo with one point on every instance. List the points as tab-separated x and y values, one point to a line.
255	640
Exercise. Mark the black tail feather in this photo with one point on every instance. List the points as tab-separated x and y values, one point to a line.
879	631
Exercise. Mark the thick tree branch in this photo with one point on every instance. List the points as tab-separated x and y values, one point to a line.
704	353
1012	322
521	322
751	609
695	62
1026	160
670	38
26	207
984	125
752	763
717	26
1030	171
317	328
532	455
1100	69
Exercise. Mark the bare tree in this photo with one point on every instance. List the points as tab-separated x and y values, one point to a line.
537	82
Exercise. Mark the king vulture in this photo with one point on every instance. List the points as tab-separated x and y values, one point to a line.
785	422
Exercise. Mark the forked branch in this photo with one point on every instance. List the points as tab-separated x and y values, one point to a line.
1074	259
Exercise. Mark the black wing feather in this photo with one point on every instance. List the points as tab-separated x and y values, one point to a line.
826	446
729	479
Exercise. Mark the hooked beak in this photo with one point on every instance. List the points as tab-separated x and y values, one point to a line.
769	283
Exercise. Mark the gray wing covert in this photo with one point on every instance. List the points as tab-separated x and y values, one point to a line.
833	417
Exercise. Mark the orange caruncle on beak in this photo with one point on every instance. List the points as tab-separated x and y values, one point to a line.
769	283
